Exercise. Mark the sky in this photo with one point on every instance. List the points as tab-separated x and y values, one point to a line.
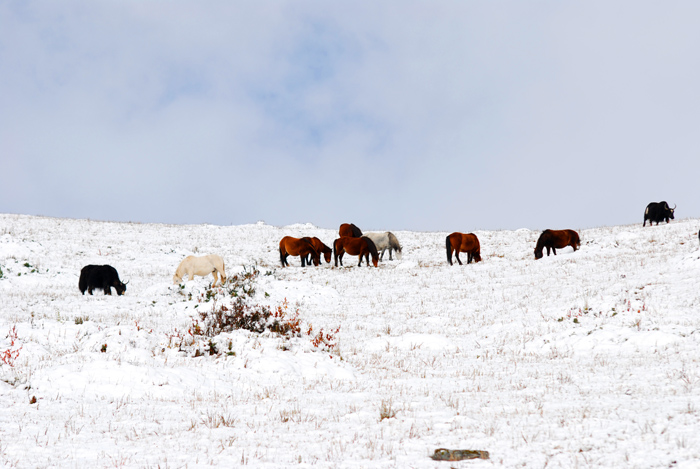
395	115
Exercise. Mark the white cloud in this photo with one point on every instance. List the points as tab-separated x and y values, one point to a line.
450	113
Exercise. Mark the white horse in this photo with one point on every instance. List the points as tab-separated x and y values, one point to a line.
202	266
385	241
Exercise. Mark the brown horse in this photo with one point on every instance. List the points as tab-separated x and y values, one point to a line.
556	239
355	247
350	230
320	248
297	247
463	242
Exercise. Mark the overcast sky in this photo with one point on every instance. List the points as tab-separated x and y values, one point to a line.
424	115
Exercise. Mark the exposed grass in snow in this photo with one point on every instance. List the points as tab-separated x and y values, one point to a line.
587	359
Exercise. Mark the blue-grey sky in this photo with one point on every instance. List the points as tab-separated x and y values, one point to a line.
446	115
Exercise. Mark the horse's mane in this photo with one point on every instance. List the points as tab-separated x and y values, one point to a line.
574	236
324	248
356	232
544	237
372	247
180	271
393	241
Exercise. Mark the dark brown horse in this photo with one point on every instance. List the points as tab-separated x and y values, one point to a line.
350	230
556	239
320	248
297	247
463	242
355	247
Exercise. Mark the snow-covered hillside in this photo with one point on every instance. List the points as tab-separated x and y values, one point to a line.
584	359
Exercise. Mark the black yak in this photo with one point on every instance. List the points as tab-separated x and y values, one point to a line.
100	276
658	211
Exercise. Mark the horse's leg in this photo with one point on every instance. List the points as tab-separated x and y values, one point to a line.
390	249
469	257
216	278
457	256
303	260
554	250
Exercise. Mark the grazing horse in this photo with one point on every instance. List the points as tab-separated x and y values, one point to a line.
556	239
355	247
463	242
298	247
385	241
202	266
350	230
320	248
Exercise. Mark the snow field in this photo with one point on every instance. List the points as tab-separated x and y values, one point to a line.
587	358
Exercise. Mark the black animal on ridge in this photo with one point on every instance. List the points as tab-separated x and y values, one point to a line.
100	276
658	211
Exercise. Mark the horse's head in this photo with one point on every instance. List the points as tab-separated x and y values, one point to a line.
327	256
176	279
538	253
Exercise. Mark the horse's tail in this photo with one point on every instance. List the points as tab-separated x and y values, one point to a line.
335	251
222	272
448	248
281	256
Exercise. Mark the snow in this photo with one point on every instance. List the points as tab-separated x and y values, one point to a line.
583	359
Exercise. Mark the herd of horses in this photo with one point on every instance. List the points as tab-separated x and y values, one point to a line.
353	242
